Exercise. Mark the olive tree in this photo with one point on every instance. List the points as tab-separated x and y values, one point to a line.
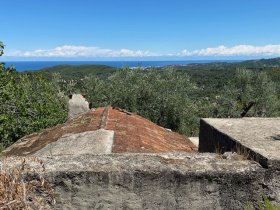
162	97
248	94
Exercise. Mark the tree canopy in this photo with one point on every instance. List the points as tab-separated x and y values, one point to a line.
27	104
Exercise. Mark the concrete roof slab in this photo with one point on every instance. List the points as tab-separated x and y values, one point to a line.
260	135
90	142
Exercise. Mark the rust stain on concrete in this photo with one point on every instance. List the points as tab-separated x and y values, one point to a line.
133	134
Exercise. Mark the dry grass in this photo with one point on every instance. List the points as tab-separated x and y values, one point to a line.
22	186
237	153
244	153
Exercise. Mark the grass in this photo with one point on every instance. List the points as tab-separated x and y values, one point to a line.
267	205
22	187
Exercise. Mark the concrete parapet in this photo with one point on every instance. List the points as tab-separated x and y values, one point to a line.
153	181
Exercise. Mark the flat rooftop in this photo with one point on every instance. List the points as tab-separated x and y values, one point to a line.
259	135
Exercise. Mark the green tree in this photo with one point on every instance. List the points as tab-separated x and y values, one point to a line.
28	103
162	97
250	94
1	53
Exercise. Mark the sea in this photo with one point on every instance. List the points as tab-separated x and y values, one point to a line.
38	65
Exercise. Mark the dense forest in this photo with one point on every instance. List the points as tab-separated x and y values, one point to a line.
174	97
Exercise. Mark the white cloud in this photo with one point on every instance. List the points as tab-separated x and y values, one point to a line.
239	50
80	51
72	51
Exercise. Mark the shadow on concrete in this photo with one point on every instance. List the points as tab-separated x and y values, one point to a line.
276	137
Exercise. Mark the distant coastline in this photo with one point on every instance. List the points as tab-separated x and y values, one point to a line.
38	65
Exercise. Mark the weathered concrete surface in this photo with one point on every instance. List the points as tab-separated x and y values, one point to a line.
153	181
133	133
254	138
90	142
77	105
194	140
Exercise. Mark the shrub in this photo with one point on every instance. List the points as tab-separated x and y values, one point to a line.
27	104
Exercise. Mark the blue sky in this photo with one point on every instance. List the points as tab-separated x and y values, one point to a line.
142	29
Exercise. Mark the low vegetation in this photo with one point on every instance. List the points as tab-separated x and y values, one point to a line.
23	188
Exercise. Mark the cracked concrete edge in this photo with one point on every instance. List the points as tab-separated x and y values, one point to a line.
194	140
89	142
246	136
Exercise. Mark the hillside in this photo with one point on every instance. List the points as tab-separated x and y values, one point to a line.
249	64
215	75
210	76
262	63
79	71
214	69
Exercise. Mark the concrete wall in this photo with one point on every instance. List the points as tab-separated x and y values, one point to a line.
163	190
145	181
152	181
250	137
165	180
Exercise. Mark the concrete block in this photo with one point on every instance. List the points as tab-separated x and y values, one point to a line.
257	138
77	105
254	138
